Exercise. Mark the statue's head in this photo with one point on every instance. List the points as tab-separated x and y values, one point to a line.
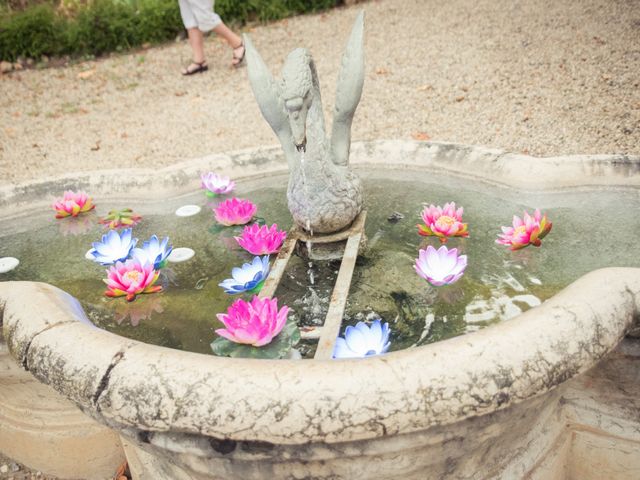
296	92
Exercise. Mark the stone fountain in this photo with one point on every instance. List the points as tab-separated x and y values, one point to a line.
550	394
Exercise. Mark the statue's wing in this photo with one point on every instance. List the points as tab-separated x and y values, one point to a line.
348	92
267	93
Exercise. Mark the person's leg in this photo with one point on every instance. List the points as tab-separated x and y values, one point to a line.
196	40
234	41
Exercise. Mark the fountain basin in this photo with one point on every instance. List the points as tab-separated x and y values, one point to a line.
490	403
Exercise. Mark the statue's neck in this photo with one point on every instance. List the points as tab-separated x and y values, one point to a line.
316	134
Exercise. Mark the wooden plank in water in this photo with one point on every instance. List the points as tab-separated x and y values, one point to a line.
279	265
333	321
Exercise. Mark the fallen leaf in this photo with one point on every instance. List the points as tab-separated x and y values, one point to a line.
460	98
86	74
422	136
96	147
179	94
425	87
382	71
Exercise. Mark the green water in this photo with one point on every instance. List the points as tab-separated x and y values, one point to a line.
590	230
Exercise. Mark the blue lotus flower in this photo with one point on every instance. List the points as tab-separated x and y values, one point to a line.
114	247
249	278
153	251
363	341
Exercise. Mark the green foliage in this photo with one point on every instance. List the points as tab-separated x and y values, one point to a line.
36	31
280	347
32	28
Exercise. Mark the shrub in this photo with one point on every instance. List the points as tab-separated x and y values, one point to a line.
32	33
95	27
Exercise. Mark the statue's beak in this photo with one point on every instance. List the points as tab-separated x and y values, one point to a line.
297	121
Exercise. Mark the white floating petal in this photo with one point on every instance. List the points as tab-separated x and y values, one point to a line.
188	210
8	263
181	254
89	255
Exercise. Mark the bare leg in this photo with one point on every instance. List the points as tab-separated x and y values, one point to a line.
234	41
196	40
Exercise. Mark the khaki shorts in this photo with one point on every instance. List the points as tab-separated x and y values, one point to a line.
199	14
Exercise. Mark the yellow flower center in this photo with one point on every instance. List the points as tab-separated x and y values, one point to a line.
520	230
445	222
133	275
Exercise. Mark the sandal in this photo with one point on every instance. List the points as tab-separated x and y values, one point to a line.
237	60
200	67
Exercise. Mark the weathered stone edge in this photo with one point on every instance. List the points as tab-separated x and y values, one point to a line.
487	165
125	383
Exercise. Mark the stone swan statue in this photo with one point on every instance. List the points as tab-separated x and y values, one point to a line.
324	195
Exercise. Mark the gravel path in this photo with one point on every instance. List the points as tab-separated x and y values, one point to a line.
545	77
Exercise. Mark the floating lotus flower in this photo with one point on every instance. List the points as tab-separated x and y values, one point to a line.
526	231
216	184
261	240
114	247
120	218
154	252
363	340
73	204
235	211
249	278
131	278
443	222
440	267
253	323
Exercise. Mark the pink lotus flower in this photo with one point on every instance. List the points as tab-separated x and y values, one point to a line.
526	231
73	204
235	211
440	267
253	323
216	184
131	278
443	222
261	240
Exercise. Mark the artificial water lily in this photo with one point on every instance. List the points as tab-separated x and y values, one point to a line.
443	222
153	251
528	230
120	218
216	184
261	240
253	323
248	278
114	247
440	267
131	278
73	204
235	211
363	340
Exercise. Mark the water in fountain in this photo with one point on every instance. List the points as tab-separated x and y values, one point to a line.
497	284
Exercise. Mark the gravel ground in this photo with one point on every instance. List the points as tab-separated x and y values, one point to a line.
544	77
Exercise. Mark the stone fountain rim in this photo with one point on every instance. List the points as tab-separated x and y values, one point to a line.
128	384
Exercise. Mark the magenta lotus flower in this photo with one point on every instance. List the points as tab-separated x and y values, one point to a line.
216	184
443	222
73	204
235	211
528	230
261	240
440	267
131	278
253	323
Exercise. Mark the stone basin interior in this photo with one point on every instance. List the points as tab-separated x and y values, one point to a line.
589	232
